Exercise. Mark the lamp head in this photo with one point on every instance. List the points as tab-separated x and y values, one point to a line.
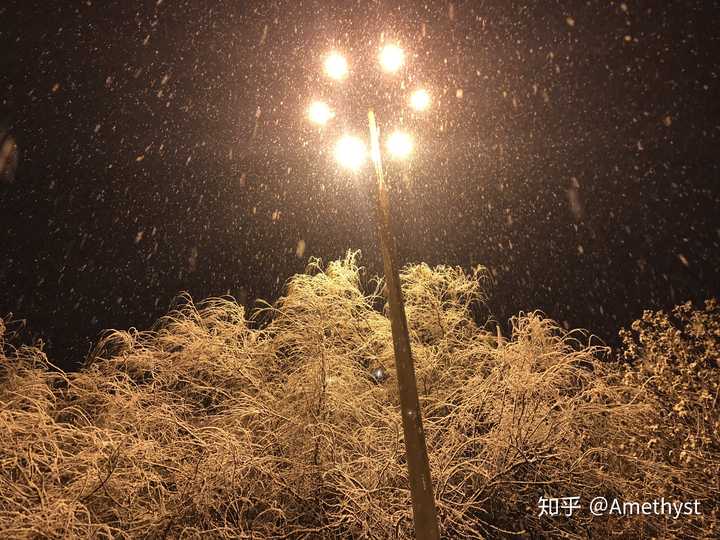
399	145
392	58
336	66
350	152
319	113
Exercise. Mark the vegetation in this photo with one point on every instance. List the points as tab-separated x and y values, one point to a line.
213	425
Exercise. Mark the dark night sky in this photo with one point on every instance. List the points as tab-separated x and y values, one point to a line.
163	148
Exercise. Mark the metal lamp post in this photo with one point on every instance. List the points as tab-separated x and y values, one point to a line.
421	489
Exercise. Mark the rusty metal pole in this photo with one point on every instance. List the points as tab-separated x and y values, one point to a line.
421	490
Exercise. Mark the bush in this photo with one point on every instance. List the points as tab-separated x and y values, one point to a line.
214	425
675	358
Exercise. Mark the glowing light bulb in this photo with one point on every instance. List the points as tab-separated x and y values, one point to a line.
336	66
350	152
319	113
420	100
392	58
399	145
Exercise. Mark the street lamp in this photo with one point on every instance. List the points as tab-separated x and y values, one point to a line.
351	153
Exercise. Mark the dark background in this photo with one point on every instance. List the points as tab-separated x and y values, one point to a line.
163	148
